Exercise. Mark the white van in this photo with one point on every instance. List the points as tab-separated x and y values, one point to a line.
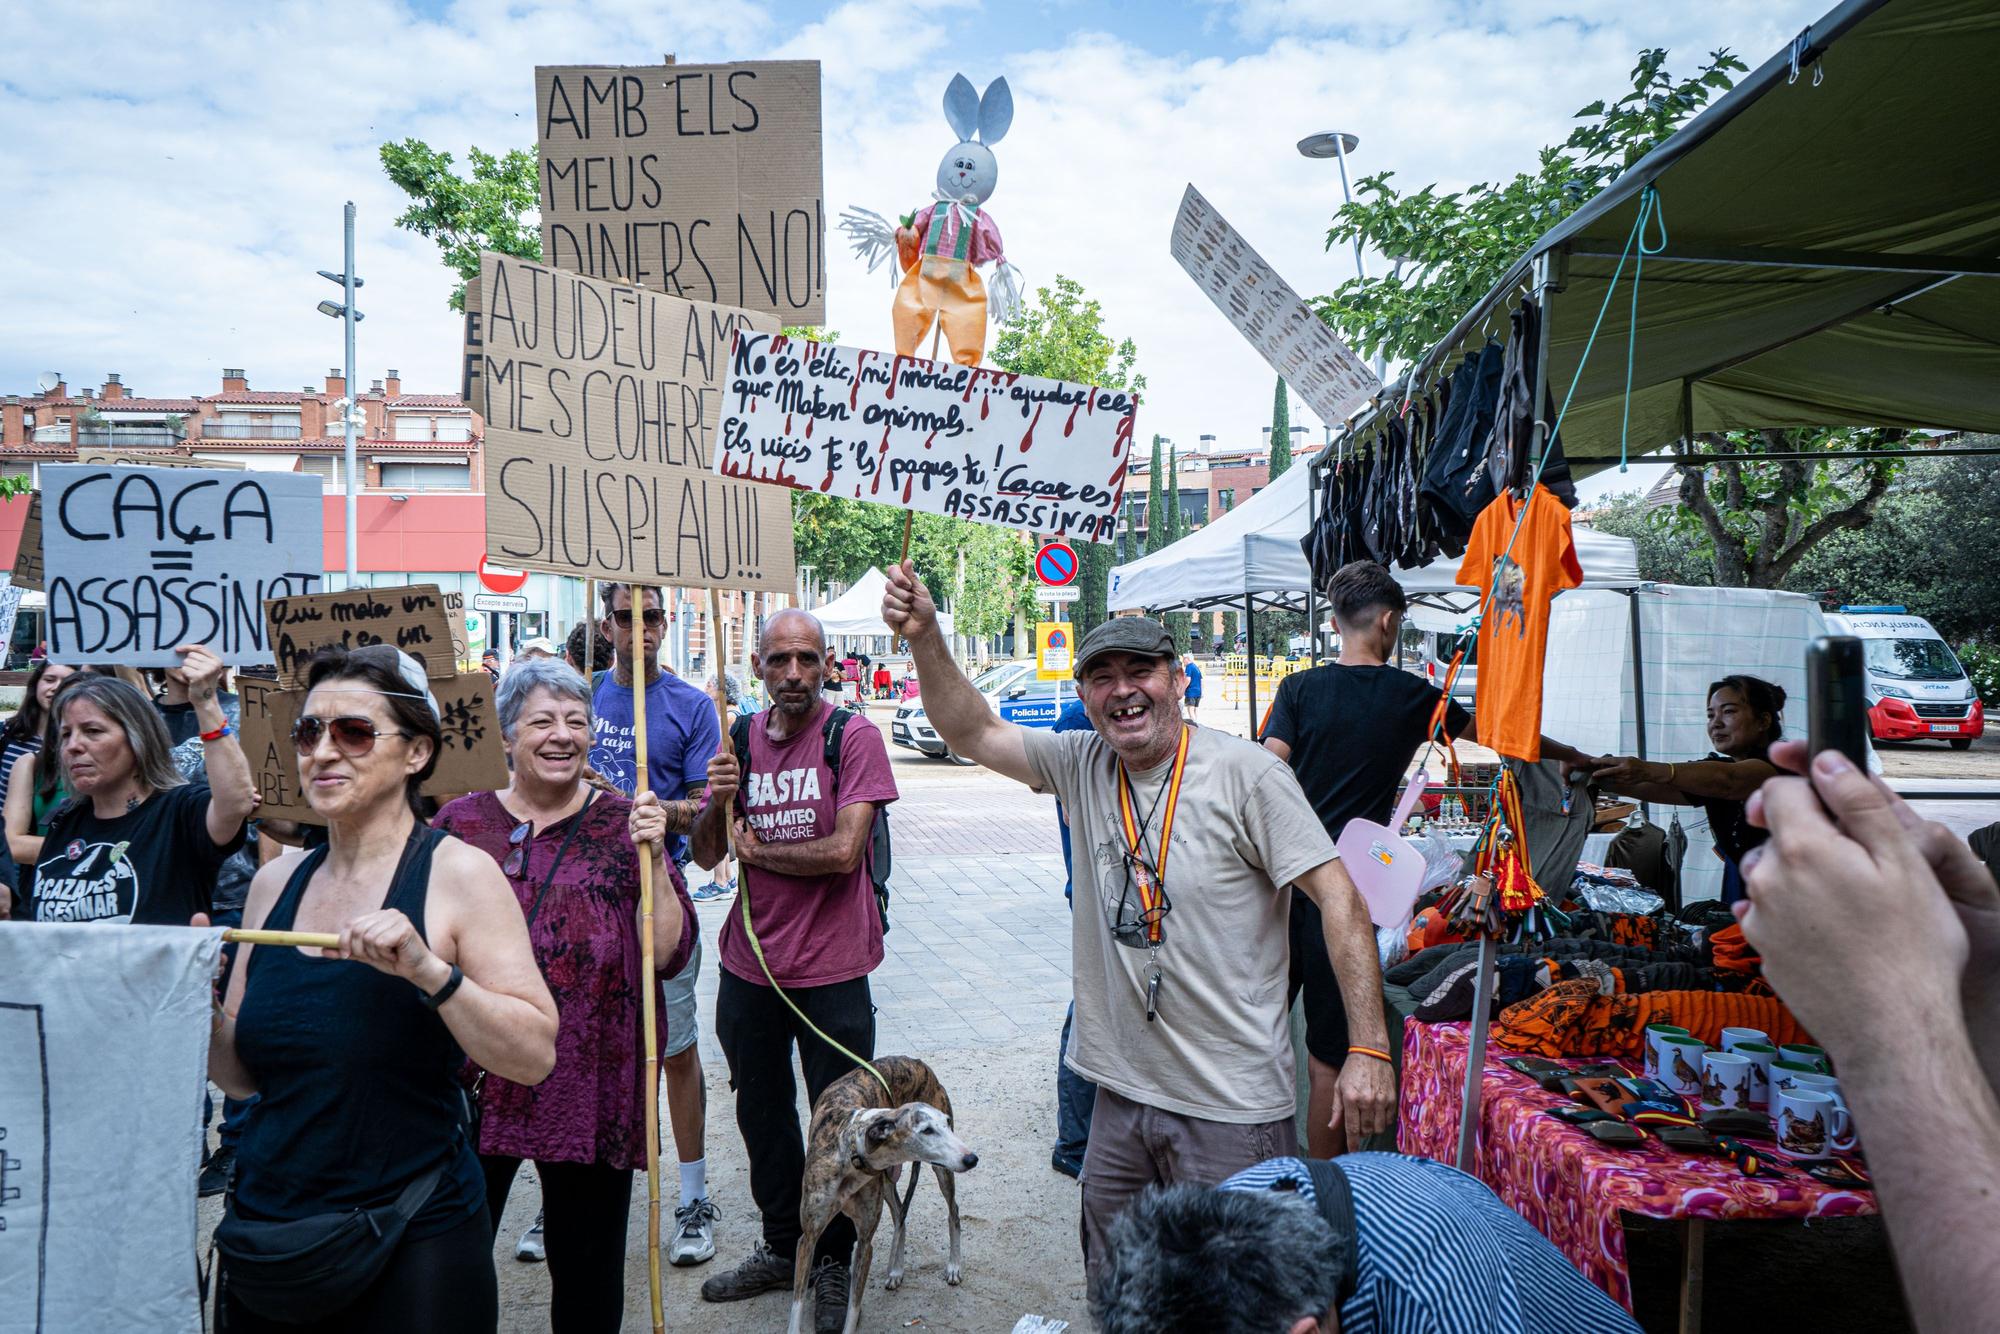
1916	687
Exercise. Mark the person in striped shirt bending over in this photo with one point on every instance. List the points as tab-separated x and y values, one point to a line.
1369	1243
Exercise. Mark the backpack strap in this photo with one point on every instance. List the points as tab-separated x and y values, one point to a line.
1335	1201
836	727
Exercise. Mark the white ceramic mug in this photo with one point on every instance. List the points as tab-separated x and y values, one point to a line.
1761	1055
1680	1064
1810	1124
1654	1034
1732	1037
1726	1079
1806	1054
1826	1084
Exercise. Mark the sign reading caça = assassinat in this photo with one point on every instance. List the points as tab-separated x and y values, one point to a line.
1018	451
1268	313
702	181
411	617
140	560
601	403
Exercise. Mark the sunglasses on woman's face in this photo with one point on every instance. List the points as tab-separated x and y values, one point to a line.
352	737
654	617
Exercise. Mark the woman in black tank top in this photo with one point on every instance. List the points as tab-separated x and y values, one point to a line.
355	1055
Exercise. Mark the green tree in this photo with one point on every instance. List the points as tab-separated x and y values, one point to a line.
1665	555
487	209
1281	431
1754	521
1060	334
1157	522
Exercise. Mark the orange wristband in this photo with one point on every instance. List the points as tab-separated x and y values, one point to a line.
1370	1051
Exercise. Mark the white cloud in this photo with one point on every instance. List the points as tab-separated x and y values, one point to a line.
177	174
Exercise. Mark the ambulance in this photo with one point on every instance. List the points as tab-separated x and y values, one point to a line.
1917	690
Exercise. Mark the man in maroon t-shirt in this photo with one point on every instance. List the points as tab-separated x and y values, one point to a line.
802	834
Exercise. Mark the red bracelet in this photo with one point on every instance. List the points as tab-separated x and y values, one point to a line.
218	733
1370	1051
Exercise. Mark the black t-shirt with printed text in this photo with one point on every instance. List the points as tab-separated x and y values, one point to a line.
1352	732
153	866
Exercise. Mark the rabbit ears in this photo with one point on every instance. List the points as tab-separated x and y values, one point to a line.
969	113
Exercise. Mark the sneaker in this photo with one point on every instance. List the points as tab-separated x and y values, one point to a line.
529	1249
712	891
694	1233
764	1271
829	1285
215	1172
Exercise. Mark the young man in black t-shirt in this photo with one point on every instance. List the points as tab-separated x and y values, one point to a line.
1349	730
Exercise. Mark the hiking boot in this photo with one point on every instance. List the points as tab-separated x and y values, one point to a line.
829	1285
529	1249
215	1172
694	1233
764	1271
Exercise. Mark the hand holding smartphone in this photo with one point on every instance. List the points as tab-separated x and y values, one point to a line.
1837	699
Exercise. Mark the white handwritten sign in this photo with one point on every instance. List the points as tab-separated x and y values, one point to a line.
1268	313
1018	451
600	401
142	559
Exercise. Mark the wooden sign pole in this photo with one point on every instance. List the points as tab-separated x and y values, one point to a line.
588	666
650	982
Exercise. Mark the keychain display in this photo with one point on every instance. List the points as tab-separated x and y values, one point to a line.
1500	899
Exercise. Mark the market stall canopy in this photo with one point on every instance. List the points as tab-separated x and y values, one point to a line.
858	611
1254	549
1831	248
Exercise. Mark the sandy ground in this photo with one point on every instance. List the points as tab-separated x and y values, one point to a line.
1019	1219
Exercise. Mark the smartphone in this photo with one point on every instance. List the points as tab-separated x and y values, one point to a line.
1837	698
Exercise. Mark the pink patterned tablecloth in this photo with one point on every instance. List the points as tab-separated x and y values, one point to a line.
1569	1186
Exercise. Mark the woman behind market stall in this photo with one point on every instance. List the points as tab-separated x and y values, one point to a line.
568	852
136	842
1744	719
355	1053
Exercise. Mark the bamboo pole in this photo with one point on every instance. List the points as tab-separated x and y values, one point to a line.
649	982
305	940
589	664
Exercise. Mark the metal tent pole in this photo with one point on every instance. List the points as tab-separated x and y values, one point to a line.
1250	658
1475	1056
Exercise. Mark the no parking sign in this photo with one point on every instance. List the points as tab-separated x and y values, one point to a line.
1053	654
1055	564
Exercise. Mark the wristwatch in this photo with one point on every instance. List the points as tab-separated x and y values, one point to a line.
444	993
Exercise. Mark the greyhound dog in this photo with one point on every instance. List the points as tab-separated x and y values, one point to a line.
860	1137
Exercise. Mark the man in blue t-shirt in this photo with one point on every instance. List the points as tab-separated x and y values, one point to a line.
1192	699
1075	1095
682	735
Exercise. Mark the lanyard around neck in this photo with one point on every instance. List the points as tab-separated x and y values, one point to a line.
1152	892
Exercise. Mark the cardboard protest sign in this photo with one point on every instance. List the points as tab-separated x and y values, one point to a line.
472	757
411	617
1014	450
103	1040
138	458
601	402
142	559
1267	312
454	611
702	181
28	571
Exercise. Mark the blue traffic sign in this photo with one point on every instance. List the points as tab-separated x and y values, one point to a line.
1055	564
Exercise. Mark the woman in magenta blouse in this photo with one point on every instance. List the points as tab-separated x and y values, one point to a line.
570	852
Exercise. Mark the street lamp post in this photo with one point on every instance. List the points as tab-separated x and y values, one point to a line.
349	412
1337	144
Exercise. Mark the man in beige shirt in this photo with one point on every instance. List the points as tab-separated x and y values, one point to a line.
1187	843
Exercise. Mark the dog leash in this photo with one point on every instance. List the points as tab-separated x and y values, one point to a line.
757	948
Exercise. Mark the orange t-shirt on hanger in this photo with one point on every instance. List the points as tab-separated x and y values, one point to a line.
1514	634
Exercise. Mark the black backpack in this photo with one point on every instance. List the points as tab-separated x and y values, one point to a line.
878	857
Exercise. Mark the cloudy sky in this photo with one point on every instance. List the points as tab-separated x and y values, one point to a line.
176	172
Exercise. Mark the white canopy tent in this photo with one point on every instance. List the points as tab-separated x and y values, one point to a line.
1252	556
858	611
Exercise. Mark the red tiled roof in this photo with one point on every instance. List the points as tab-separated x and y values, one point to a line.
427	401
368	444
145	404
261	396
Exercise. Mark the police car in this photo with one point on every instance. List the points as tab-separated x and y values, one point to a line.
1011	690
